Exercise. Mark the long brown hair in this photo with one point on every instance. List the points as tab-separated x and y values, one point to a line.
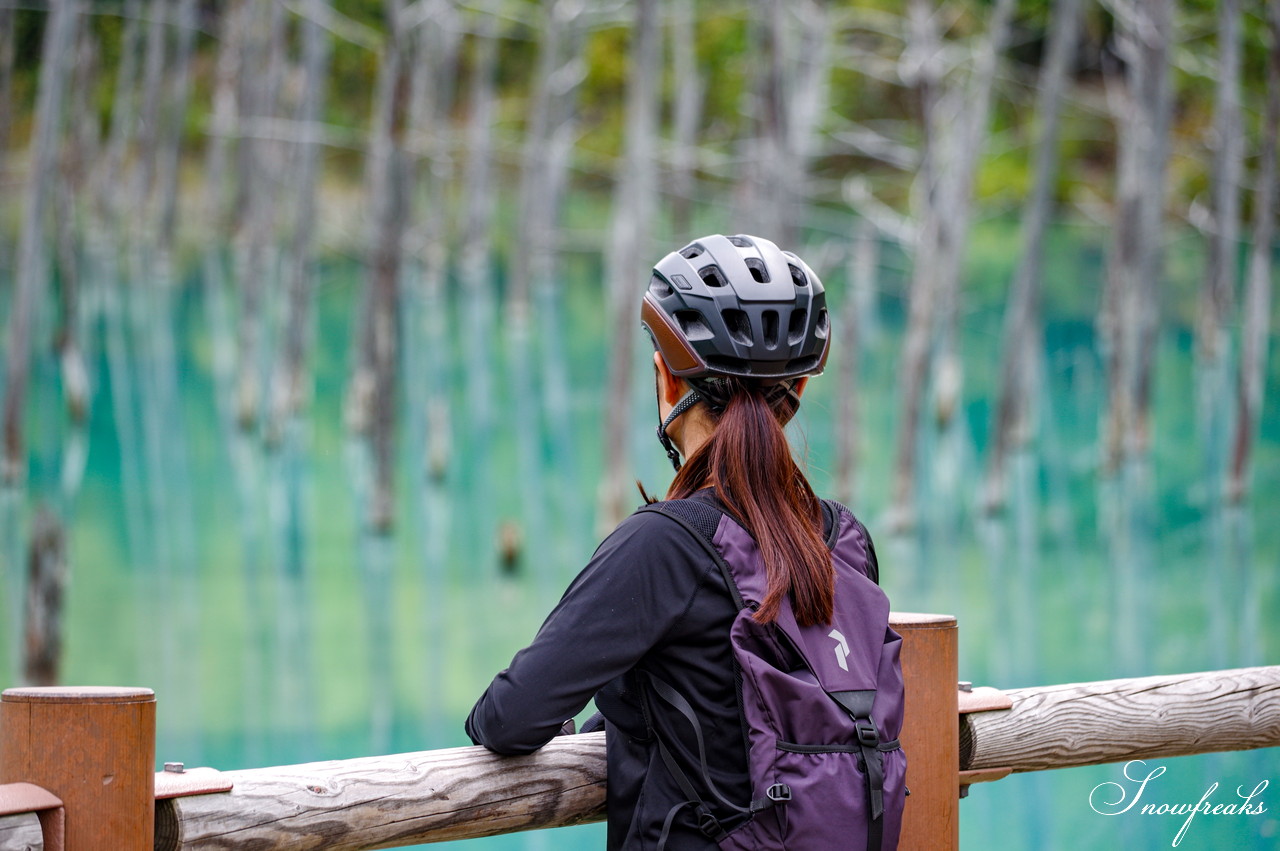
748	461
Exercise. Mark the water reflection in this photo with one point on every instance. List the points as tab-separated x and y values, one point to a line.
278	628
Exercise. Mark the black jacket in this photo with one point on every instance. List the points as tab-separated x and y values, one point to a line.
650	599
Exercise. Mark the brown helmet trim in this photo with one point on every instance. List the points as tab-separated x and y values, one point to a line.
822	359
676	350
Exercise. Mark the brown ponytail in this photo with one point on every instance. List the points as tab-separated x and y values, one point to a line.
748	460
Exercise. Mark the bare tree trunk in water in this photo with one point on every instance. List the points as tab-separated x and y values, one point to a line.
6	82
1217	295
552	407
110	201
1022	344
1157	95
1217	292
426	343
551	126
390	194
148	127
32	260
46	587
626	272
807	91
151	228
1115	332
216	216
137	236
1257	296
1130	309
688	112
161	286
777	193
475	304
6	103
107	201
178	579
969	112
864	262
47	568
785	97
434	78
79	149
955	122
923	71
259	83
749	207
179	81
224	118
535	228
288	387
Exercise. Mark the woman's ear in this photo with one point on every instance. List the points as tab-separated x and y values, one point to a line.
670	388
800	384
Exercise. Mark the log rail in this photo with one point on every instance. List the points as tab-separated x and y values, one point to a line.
387	801
1064	726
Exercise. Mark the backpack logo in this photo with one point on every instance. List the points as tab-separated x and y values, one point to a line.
841	648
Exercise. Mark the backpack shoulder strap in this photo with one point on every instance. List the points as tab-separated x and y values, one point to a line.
836	509
701	519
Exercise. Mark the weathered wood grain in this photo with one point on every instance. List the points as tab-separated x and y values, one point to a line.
382	802
1118	720
21	833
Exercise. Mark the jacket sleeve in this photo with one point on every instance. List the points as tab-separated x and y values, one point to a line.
636	587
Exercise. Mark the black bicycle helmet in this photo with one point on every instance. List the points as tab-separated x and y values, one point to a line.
739	307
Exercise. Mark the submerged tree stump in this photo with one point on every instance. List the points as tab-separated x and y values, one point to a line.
46	588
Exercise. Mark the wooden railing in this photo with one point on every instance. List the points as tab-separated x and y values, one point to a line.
1118	720
953	738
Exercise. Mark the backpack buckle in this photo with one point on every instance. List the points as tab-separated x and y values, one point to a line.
708	824
779	793
868	736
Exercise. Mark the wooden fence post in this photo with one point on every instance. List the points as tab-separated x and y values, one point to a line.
930	731
94	748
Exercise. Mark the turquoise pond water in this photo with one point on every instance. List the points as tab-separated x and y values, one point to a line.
230	573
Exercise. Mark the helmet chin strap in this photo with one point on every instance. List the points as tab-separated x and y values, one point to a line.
690	399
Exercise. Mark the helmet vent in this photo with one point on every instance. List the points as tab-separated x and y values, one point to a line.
758	270
693	325
741	242
808	364
733	366
712	276
770	321
823	323
691	251
799	321
739	325
659	287
798	277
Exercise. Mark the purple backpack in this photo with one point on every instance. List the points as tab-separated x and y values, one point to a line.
822	704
